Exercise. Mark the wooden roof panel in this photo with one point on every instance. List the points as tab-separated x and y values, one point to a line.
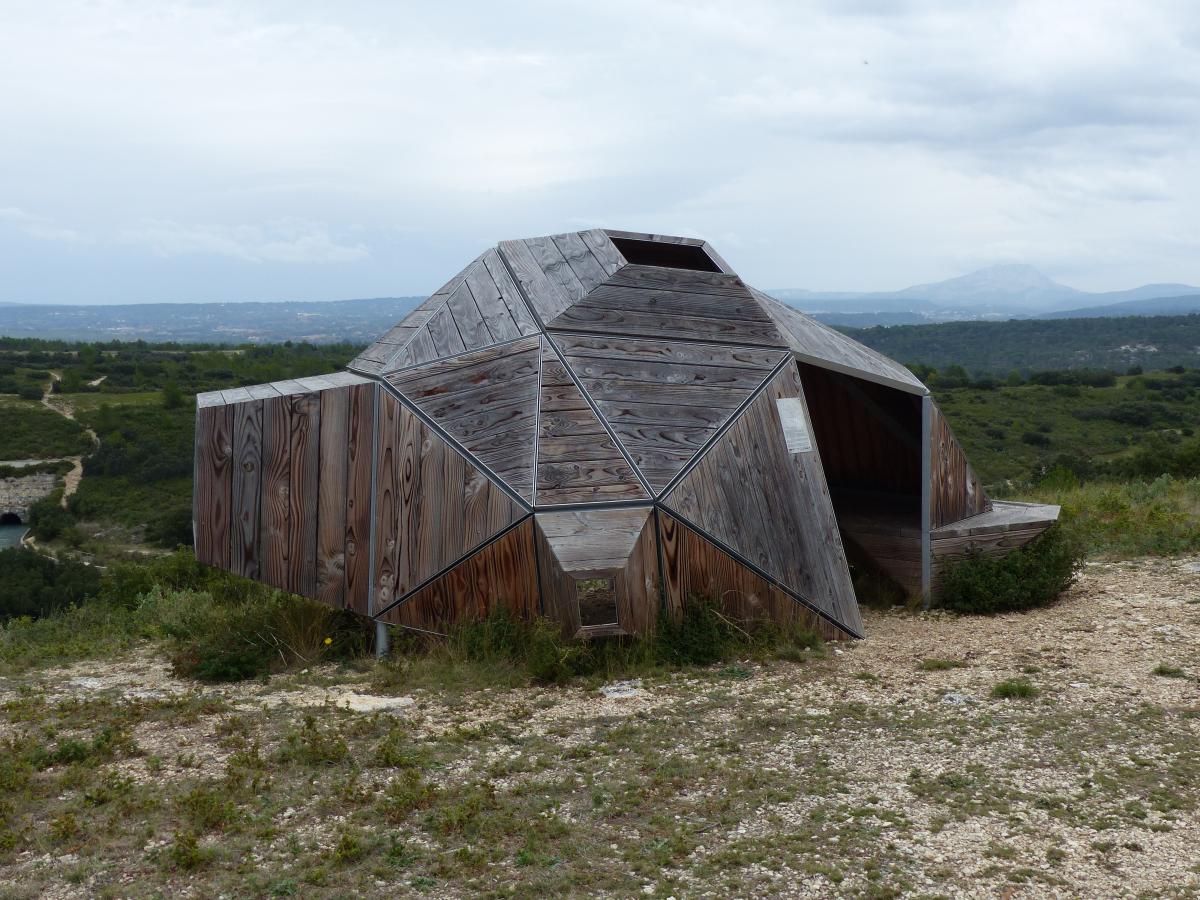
661	408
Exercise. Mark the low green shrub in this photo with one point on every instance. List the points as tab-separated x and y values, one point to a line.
1014	689
1032	576
502	649
234	639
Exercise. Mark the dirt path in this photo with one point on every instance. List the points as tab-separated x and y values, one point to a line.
63	408
888	768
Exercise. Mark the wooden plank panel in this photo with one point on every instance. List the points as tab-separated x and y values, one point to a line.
487	401
547	298
510	293
304	448
213	484
741	306
579	257
395	467
577	460
468	319
275	509
244	536
554	264
695	567
657	278
772	506
503	573
603	249
640	586
359	448
432	505
817	343
956	492
443	333
492	306
608	347
332	497
662	410
587	316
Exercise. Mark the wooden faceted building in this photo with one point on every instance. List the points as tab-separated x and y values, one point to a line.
594	427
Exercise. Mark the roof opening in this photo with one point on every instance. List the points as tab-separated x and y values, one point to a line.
665	255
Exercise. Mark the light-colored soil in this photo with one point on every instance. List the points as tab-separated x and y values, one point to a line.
55	403
862	773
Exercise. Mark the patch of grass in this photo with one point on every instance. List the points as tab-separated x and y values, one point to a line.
940	665
1014	689
1166	670
314	745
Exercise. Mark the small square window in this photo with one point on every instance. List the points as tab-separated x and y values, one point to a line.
597	601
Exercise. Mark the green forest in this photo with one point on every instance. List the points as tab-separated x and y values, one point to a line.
1023	432
1029	345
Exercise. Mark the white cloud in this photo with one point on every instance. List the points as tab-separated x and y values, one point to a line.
39	227
830	144
285	241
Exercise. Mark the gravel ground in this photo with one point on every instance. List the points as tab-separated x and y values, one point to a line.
886	768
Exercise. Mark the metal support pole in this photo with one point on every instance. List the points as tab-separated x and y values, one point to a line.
383	640
926	498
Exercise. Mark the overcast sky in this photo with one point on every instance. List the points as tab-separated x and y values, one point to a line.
293	150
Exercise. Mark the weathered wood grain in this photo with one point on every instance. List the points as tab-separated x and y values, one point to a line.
815	342
213	484
487	401
359	449
956	491
432	505
245	537
603	249
618	543
547	298
653	277
695	568
275	503
579	346
662	409
510	293
577	460
304	448
648	322
586	268
551	261
332	499
771	506
503	573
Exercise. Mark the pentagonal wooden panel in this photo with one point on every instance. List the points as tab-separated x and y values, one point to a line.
955	490
760	491
695	567
583	545
577	459
501	573
664	402
432	506
487	401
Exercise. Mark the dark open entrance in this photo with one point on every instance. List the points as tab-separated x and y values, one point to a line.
10	518
597	602
869	437
664	254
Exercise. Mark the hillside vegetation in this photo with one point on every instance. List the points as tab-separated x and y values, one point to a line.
1153	342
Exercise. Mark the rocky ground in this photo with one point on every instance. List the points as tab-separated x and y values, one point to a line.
1053	753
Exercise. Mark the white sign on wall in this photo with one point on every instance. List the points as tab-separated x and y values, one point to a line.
796	432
